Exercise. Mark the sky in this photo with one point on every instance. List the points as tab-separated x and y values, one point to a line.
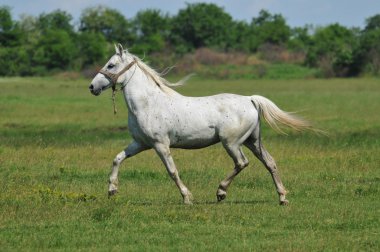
350	13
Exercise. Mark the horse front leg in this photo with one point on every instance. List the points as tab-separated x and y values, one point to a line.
163	152
132	149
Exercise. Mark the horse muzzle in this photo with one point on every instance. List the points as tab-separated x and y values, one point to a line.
94	91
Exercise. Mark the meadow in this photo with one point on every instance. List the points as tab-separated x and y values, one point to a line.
57	143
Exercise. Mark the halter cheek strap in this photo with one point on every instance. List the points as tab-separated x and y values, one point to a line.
114	77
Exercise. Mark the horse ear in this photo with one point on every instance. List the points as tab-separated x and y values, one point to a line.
117	49
121	50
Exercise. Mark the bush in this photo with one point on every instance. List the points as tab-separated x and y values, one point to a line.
14	61
332	50
55	50
201	34
279	54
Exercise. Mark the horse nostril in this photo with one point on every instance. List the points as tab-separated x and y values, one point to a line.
91	87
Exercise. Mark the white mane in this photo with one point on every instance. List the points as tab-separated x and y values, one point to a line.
157	77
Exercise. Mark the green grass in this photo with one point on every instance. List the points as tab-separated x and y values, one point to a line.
57	143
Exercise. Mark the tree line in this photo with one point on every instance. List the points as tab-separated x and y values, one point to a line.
52	42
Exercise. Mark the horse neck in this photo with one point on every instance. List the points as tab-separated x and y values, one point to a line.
140	90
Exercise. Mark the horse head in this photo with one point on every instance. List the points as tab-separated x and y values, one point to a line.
112	72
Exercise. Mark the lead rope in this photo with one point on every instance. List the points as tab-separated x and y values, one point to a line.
113	100
114	90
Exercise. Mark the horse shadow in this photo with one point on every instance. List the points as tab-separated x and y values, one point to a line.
201	203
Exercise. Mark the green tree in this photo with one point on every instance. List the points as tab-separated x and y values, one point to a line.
111	23
240	34
14	59
56	20
29	27
300	39
93	48
367	56
332	50
6	22
269	29
152	29
10	35
55	50
53	42
201	25
372	23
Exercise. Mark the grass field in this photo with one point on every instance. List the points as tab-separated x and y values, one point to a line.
57	143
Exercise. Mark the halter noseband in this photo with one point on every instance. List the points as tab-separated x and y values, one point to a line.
113	80
113	77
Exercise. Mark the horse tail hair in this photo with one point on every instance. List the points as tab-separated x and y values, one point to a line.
276	117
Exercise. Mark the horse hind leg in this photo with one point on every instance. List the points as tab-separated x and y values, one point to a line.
240	161
254	144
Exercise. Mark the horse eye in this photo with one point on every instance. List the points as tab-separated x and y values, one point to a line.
110	66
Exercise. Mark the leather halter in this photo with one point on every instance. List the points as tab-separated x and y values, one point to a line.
113	80
114	77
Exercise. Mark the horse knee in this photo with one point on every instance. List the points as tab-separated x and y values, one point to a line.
116	162
118	159
246	163
241	165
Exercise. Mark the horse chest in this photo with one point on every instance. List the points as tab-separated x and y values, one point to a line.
146	128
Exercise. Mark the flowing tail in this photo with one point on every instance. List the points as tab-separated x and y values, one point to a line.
276	117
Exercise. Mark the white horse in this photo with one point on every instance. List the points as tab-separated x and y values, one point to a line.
161	118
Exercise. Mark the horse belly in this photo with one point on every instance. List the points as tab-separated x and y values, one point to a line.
194	139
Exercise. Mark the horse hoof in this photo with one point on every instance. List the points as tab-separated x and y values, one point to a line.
284	203
188	202
221	195
188	199
112	193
